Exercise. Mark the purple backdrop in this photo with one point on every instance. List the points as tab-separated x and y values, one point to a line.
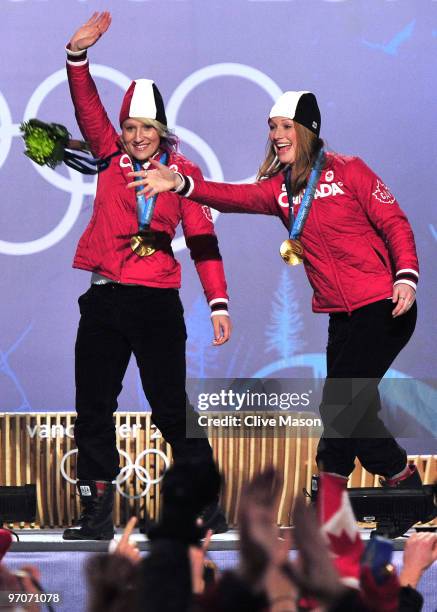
219	65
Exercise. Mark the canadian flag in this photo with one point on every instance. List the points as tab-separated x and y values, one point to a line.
338	525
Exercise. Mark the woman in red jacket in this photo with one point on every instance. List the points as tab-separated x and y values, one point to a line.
359	254
133	304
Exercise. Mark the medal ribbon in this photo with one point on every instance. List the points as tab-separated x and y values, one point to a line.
145	207
297	224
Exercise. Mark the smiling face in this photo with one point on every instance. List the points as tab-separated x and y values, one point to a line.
141	141
283	137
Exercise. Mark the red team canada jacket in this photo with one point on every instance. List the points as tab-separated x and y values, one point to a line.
104	247
357	241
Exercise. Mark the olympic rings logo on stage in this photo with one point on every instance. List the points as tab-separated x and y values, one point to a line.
75	185
126	472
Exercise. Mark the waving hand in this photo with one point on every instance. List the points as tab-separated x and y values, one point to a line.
90	32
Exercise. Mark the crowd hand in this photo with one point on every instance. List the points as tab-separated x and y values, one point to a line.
90	32
222	326
259	534
420	552
403	296
314	572
197	562
280	589
128	548
25	580
154	181
263	552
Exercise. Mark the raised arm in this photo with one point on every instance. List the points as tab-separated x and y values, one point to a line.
91	116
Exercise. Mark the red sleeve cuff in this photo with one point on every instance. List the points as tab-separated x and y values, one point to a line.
75	57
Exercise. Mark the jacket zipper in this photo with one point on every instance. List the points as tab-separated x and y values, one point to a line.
316	219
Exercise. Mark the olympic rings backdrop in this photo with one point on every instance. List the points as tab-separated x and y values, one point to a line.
219	65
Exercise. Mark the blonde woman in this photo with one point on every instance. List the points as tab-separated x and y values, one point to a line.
133	305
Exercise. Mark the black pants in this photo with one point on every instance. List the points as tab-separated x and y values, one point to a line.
117	321
361	348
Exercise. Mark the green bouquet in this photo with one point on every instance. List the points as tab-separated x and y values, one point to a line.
45	142
50	144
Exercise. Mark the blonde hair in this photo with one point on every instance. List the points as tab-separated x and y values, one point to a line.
169	140
307	147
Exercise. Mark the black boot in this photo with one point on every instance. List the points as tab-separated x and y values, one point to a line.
401	521
95	522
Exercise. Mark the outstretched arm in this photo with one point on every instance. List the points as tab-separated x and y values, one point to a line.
255	198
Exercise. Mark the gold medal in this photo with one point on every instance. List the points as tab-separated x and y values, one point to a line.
291	252
143	244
